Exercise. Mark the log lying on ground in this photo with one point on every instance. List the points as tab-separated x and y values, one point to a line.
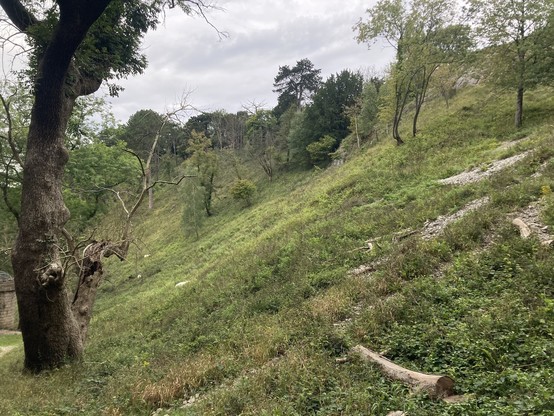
524	229
436	386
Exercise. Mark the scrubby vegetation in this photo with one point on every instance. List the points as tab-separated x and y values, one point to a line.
271	301
275	240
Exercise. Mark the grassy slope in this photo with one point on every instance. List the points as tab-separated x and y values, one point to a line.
254	331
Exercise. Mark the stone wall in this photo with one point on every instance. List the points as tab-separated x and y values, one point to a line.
8	304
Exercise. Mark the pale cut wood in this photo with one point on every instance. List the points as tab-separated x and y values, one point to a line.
524	229
436	386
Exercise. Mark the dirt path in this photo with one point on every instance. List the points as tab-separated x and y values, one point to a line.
7	332
478	174
434	228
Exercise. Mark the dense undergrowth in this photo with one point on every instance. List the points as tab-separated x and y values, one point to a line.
270	304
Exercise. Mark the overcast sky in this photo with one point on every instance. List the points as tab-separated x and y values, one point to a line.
185	54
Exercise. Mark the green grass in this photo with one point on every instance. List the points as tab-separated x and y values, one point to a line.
10	340
254	331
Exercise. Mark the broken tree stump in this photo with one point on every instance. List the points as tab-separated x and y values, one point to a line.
435	385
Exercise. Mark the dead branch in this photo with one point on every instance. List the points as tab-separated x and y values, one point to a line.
138	158
175	182
435	385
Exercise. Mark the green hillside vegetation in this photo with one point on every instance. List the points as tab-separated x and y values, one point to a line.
270	300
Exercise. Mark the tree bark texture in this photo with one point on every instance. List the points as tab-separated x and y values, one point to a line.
50	332
90	277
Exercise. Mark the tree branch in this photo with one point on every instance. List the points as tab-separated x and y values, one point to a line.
175	182
7	201
13	147
138	158
18	14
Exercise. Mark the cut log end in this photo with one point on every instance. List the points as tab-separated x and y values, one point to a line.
444	387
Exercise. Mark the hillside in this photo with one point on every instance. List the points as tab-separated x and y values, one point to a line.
277	293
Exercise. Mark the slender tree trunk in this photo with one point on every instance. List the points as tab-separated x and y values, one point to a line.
519	106
396	120
150	190
395	132
356	129
416	116
521	68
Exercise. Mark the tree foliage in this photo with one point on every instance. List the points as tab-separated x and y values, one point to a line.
204	161
320	151
295	85
93	172
326	115
75	46
263	140
425	36
243	190
519	33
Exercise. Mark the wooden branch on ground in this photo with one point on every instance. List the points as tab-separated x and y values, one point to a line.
524	229
435	385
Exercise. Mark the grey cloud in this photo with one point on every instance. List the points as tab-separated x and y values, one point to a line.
186	53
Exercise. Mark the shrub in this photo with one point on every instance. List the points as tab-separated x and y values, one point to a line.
244	190
320	151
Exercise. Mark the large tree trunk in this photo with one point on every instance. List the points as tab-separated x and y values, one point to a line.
50	332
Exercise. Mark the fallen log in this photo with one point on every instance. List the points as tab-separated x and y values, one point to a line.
435	385
524	230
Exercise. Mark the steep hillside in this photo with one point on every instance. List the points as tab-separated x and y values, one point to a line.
376	251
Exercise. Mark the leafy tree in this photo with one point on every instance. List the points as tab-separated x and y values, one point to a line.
424	37
516	30
199	123
204	161
142	128
83	126
297	138
92	173
320	151
243	190
326	115
295	85
263	143
76	45
194	208
363	113
444	81
90	116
